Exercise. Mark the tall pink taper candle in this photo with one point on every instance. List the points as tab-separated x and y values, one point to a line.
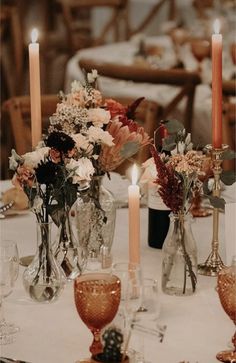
217	86
35	98
134	218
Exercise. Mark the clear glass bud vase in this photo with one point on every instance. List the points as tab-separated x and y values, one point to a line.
94	214
179	262
42	279
69	255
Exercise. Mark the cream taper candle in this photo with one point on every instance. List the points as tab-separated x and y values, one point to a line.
35	98
134	218
216	86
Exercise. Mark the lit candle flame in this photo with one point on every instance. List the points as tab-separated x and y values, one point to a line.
216	26
134	174
34	35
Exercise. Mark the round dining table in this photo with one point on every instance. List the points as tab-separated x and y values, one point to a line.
197	326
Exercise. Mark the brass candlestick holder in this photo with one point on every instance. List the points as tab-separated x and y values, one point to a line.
214	263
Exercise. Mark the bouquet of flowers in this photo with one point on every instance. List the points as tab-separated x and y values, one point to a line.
104	131
87	137
177	173
178	169
50	176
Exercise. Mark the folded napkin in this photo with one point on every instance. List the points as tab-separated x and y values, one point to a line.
18	196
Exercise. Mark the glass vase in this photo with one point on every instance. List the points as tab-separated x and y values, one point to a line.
94	214
179	263
42	279
69	255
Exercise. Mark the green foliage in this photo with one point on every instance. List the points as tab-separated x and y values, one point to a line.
216	202
169	143
229	155
172	126
129	149
228	177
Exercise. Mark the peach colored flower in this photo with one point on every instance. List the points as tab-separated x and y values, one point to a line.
24	176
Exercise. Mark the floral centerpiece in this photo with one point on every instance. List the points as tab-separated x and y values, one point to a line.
50	181
177	179
105	134
87	137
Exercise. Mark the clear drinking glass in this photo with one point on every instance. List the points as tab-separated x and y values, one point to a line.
9	269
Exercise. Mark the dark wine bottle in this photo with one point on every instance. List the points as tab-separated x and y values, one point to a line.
158	218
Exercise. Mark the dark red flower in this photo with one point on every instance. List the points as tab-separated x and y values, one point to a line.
170	184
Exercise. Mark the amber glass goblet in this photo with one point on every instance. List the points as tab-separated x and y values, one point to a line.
226	288
200	49
97	298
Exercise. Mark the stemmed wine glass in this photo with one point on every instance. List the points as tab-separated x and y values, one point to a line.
226	288
200	49
131	295
128	273
97	297
9	270
179	37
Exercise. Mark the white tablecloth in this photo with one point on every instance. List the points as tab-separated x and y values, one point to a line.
197	326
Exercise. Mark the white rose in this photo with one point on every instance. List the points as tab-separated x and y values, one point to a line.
33	158
98	135
81	170
99	116
81	141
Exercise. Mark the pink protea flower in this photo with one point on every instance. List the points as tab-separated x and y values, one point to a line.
126	144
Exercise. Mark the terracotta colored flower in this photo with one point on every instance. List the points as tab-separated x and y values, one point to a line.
115	108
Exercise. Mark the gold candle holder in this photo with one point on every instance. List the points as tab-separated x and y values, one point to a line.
214	263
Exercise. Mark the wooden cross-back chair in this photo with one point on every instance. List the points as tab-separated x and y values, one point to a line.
79	34
18	109
154	10
12	50
186	81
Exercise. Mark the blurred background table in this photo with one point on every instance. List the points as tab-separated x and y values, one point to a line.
125	53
